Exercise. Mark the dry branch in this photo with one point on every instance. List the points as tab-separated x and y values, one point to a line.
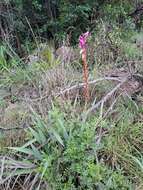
104	99
9	129
80	85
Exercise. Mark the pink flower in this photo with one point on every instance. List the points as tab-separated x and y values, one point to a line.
82	40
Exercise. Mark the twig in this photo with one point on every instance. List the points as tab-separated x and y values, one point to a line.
110	108
80	85
9	129
104	99
98	139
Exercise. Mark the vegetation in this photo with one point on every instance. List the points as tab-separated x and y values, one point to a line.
52	137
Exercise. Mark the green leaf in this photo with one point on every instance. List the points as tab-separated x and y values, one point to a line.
138	162
36	152
42	137
29	143
57	136
65	134
23	150
36	135
45	168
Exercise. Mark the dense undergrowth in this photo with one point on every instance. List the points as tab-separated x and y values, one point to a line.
50	138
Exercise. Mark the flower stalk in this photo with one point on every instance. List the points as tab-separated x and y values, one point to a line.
82	45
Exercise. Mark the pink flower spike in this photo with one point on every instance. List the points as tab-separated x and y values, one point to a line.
82	40
86	34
